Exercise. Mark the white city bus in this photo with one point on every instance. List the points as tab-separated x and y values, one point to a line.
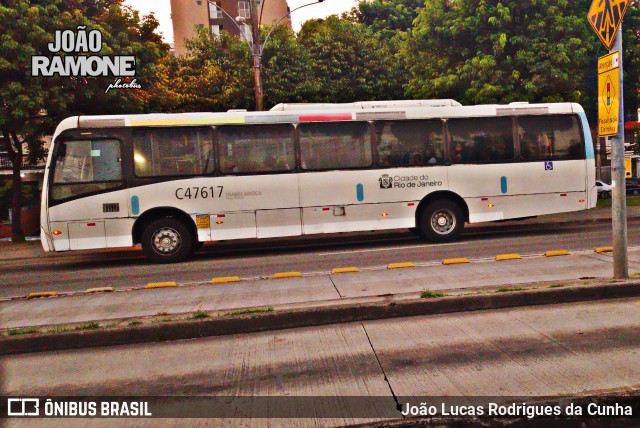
173	181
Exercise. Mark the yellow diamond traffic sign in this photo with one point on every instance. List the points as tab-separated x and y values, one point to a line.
608	94
605	17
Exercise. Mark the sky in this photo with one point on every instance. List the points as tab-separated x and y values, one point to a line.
162	12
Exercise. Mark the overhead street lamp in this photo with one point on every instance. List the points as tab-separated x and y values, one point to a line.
254	44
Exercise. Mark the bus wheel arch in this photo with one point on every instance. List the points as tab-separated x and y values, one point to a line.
440	216
167	235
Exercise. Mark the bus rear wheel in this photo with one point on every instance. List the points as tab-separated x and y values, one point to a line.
441	221
167	240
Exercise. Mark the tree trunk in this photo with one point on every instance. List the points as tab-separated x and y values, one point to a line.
15	154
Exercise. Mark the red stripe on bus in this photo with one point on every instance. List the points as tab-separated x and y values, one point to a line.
324	117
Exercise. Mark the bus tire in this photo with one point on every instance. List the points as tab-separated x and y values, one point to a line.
441	221
167	240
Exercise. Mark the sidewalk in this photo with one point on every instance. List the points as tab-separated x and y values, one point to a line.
172	312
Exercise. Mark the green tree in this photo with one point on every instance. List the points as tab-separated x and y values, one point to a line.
214	75
349	63
500	51
387	17
32	105
287	77
631	61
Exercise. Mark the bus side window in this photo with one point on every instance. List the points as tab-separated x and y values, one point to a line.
409	142
256	148
180	151
550	137
481	140
335	145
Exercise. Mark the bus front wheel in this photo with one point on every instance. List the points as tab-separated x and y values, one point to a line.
441	221
167	240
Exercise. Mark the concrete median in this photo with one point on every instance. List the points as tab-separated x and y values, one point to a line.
351	310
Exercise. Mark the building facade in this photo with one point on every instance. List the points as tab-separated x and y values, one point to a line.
186	14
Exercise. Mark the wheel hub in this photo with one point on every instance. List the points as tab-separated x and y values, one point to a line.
166	240
443	222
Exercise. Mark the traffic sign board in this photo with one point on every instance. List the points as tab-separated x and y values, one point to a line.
608	94
605	17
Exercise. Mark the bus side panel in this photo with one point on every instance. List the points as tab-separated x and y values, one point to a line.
342	201
99	221
238	206
359	217
501	183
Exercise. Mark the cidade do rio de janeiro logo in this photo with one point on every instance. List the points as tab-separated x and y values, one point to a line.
73	54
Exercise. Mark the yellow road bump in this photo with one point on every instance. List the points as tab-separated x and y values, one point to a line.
345	270
604	250
41	294
455	261
224	279
555	253
287	275
400	265
161	284
99	290
502	257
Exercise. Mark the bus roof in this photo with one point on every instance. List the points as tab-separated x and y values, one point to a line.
297	113
363	105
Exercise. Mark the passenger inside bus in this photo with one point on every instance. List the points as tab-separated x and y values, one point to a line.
457	153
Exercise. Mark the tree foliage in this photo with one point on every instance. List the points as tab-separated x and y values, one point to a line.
286	74
32	105
349	63
214	75
387	17
500	51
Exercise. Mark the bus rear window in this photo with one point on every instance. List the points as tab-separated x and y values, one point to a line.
163	152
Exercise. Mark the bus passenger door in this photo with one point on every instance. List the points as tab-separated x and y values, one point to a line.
88	206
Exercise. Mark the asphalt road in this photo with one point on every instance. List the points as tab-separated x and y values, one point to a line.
262	258
578	349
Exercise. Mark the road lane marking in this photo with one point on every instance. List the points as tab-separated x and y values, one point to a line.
406	247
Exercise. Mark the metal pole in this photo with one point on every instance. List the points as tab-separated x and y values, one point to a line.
257	54
619	201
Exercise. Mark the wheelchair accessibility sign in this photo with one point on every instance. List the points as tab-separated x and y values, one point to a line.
548	166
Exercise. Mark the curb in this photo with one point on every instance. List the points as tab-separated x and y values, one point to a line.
307	317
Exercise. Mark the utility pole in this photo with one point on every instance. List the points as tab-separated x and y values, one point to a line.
618	175
254	44
257	54
606	20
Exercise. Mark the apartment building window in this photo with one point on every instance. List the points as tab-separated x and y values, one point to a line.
215	30
214	13
244	10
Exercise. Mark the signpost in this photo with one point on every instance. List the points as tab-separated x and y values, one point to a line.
605	16
608	94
